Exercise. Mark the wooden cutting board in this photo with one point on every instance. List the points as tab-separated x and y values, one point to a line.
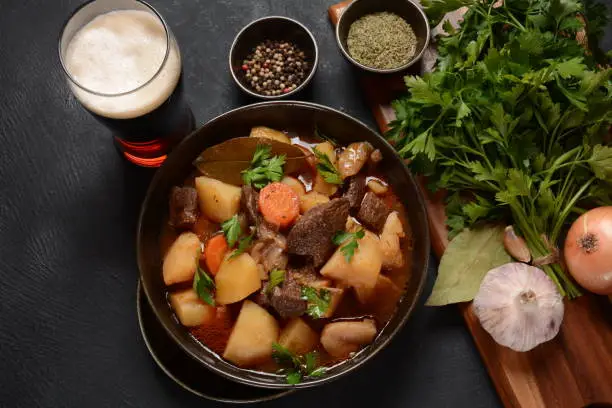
575	369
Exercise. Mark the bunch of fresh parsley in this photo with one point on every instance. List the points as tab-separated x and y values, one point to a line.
513	121
264	167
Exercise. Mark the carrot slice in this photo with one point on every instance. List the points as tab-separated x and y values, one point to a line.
279	204
214	251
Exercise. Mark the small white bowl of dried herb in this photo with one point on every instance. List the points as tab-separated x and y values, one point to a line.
383	36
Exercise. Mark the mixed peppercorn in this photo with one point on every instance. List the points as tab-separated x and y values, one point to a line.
275	68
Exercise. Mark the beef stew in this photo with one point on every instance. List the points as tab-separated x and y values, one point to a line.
307	272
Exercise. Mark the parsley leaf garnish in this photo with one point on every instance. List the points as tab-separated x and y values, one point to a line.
264	167
243	244
326	168
231	229
349	239
277	276
203	284
294	366
318	301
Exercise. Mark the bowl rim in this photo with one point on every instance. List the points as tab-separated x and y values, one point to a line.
407	65
425	238
306	81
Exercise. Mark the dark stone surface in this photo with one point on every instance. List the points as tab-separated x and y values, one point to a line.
68	212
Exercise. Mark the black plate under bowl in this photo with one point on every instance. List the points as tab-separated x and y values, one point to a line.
304	118
186	372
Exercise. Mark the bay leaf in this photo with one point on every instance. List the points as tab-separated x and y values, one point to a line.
467	259
226	161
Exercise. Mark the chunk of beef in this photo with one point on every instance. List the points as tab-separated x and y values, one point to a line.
356	190
269	254
373	212
286	299
248	203
311	236
304	274
261	298
183	207
269	232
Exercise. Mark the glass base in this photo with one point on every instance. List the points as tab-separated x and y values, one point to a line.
152	153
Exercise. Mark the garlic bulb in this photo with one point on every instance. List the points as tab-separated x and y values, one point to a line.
519	306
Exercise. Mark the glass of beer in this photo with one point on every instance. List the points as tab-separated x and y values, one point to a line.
123	64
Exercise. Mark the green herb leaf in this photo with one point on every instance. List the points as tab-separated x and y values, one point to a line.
422	92
232	230
326	168
349	239
294	377
264	168
468	258
601	162
277	276
243	244
318	301
203	284
296	366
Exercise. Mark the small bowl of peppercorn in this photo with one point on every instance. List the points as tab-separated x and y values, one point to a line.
273	57
383	36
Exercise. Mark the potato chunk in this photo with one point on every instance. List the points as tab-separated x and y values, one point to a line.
390	241
180	260
252	336
385	289
189	309
342	338
364	268
218	201
312	199
267	133
237	278
295	184
298	337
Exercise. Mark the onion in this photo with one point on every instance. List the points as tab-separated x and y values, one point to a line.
588	250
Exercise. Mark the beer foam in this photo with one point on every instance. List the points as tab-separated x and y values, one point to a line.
119	52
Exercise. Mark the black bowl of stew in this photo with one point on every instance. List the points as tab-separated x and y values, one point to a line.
387	181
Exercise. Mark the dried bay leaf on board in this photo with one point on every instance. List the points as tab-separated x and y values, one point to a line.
227	160
467	259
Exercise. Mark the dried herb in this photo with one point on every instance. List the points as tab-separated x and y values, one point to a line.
381	40
468	258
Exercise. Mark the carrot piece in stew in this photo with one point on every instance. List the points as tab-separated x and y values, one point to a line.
214	251
279	204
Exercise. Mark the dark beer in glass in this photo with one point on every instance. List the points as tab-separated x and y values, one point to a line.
123	65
